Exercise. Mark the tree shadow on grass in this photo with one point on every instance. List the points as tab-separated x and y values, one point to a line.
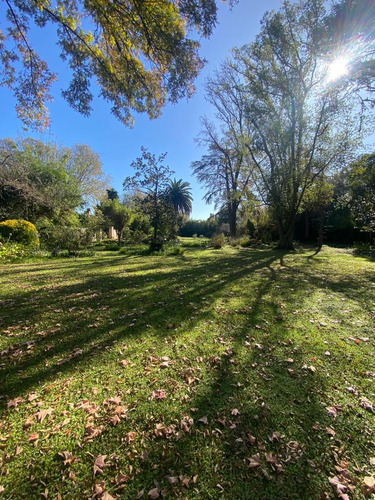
251	391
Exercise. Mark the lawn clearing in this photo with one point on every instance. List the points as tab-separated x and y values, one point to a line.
232	373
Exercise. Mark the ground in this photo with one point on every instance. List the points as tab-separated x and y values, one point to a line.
231	373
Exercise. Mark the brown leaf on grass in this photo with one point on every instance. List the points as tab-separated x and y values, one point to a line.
153	494
2	489
203	420
186	424
121	478
32	396
158	394
331	432
115	420
340	489
271	458
124	363
107	496
68	457
368	485
93	432
234	411
116	400
252	439
42	414
33	437
130	437
255	460
13	403
139	494
275	437
332	410
28	423
18	451
367	404
100	464
172	480
185	480
289	360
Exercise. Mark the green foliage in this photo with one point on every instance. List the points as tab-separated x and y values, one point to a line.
218	240
19	231
153	181
291	129
361	199
176	250
43	180
192	227
13	251
139	53
118	215
63	235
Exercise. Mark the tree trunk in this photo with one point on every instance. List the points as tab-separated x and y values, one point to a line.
307	226
286	235
321	229
119	236
232	220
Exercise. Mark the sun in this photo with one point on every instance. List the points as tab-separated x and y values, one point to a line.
337	68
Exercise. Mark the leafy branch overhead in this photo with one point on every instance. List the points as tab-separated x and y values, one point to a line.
140	53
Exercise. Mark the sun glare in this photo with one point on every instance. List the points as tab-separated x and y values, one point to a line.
337	68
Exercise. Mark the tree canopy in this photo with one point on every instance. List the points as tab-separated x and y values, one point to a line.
140	53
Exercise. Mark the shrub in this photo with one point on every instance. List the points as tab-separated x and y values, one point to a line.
13	251
112	247
19	231
218	240
361	248
176	251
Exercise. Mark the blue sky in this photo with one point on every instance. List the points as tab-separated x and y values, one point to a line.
174	132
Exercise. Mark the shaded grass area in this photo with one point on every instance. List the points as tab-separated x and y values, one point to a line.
233	373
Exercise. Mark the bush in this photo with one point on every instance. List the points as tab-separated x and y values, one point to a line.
361	248
218	240
176	251
19	231
13	251
112	247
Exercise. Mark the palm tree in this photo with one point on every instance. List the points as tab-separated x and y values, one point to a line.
179	194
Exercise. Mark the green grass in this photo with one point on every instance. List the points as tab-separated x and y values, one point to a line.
264	347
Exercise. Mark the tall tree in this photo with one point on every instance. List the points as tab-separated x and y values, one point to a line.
118	214
152	179
298	124
348	34
139	52
41	179
179	194
225	171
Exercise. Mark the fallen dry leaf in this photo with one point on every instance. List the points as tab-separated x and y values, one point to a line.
100	464
235	411
33	437
172	480
68	457
42	414
203	420
254	461
153	494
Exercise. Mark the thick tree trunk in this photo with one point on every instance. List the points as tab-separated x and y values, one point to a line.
307	225
232	221
286	234
119	236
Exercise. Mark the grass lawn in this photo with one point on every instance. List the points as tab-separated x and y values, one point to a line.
232	373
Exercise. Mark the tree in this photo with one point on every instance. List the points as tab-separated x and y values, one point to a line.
34	182
298	125
348	33
361	199
112	194
119	215
152	179
42	180
179	194
225	171
139	52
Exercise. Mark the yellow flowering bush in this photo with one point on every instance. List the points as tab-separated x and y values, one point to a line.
19	231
